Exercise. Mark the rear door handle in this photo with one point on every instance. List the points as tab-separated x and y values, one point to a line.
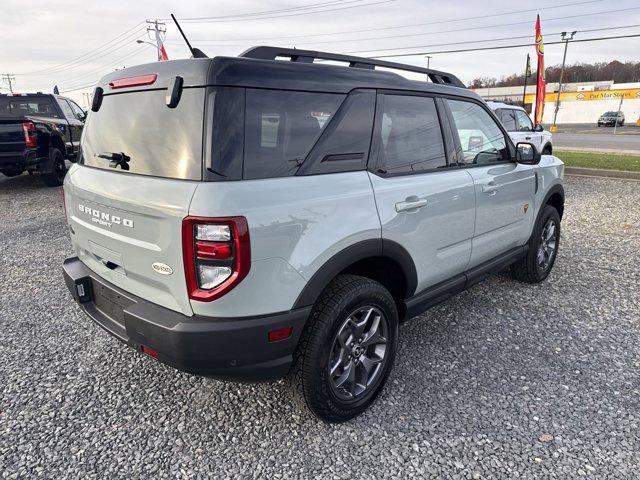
490	189
410	203
527	138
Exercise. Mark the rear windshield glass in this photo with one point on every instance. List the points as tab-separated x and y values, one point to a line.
159	141
20	106
281	127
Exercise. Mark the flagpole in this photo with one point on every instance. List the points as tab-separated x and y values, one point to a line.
527	68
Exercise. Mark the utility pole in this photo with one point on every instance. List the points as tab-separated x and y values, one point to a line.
527	74
8	78
615	124
428	57
158	28
565	38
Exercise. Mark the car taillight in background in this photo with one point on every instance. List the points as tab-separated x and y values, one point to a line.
217	255
30	134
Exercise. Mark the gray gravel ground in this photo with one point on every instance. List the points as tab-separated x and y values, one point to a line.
503	381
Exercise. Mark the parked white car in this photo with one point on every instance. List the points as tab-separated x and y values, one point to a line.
517	122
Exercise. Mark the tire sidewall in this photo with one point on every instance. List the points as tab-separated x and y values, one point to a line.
548	213
375	296
53	179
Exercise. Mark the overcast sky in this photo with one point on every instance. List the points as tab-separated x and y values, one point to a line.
47	43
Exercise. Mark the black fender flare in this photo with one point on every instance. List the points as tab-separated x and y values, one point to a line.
377	247
557	188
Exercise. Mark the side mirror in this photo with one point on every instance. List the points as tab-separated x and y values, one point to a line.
526	153
538	128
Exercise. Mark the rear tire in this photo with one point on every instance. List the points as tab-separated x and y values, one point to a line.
58	169
543	248
347	349
546	151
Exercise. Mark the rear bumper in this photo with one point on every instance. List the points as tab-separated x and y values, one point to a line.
18	160
228	348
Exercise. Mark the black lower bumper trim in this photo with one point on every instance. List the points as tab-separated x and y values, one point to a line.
228	348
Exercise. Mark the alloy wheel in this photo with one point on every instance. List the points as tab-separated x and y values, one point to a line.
358	353
548	245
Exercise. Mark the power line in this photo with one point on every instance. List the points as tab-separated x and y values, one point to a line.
502	47
120	44
487	40
270	12
84	87
104	69
438	22
466	29
89	53
205	20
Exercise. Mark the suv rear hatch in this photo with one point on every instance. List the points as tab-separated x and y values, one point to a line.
126	215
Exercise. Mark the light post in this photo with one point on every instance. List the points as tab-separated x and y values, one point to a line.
149	43
428	57
565	38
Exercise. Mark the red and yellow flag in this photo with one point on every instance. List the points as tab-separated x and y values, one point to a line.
162	53
541	88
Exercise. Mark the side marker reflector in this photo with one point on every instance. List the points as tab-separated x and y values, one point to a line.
280	334
149	351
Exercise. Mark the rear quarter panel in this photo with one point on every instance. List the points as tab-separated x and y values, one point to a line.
296	224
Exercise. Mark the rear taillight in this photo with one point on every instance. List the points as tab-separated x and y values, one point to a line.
217	255
30	134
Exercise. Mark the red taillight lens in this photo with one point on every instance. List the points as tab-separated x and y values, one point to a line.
30	134
213	250
138	81
217	255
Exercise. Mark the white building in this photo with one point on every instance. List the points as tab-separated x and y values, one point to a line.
579	102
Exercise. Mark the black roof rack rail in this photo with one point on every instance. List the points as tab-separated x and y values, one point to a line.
308	56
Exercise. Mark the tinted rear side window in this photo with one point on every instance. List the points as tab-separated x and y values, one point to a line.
508	118
160	141
281	127
410	138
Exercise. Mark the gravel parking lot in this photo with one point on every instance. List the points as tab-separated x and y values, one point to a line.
504	381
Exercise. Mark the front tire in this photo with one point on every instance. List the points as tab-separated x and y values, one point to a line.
55	178
543	249
347	349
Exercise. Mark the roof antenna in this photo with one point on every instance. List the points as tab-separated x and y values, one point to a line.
195	52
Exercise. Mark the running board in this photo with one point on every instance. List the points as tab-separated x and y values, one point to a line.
426	299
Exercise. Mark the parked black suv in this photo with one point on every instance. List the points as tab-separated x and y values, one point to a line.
38	132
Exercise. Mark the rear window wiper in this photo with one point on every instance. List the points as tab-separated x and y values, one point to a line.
116	159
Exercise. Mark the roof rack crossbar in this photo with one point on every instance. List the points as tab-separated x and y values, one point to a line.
308	56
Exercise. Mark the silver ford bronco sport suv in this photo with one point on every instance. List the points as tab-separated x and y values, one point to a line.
275	216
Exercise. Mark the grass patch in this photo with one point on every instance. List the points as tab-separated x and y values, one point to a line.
606	161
